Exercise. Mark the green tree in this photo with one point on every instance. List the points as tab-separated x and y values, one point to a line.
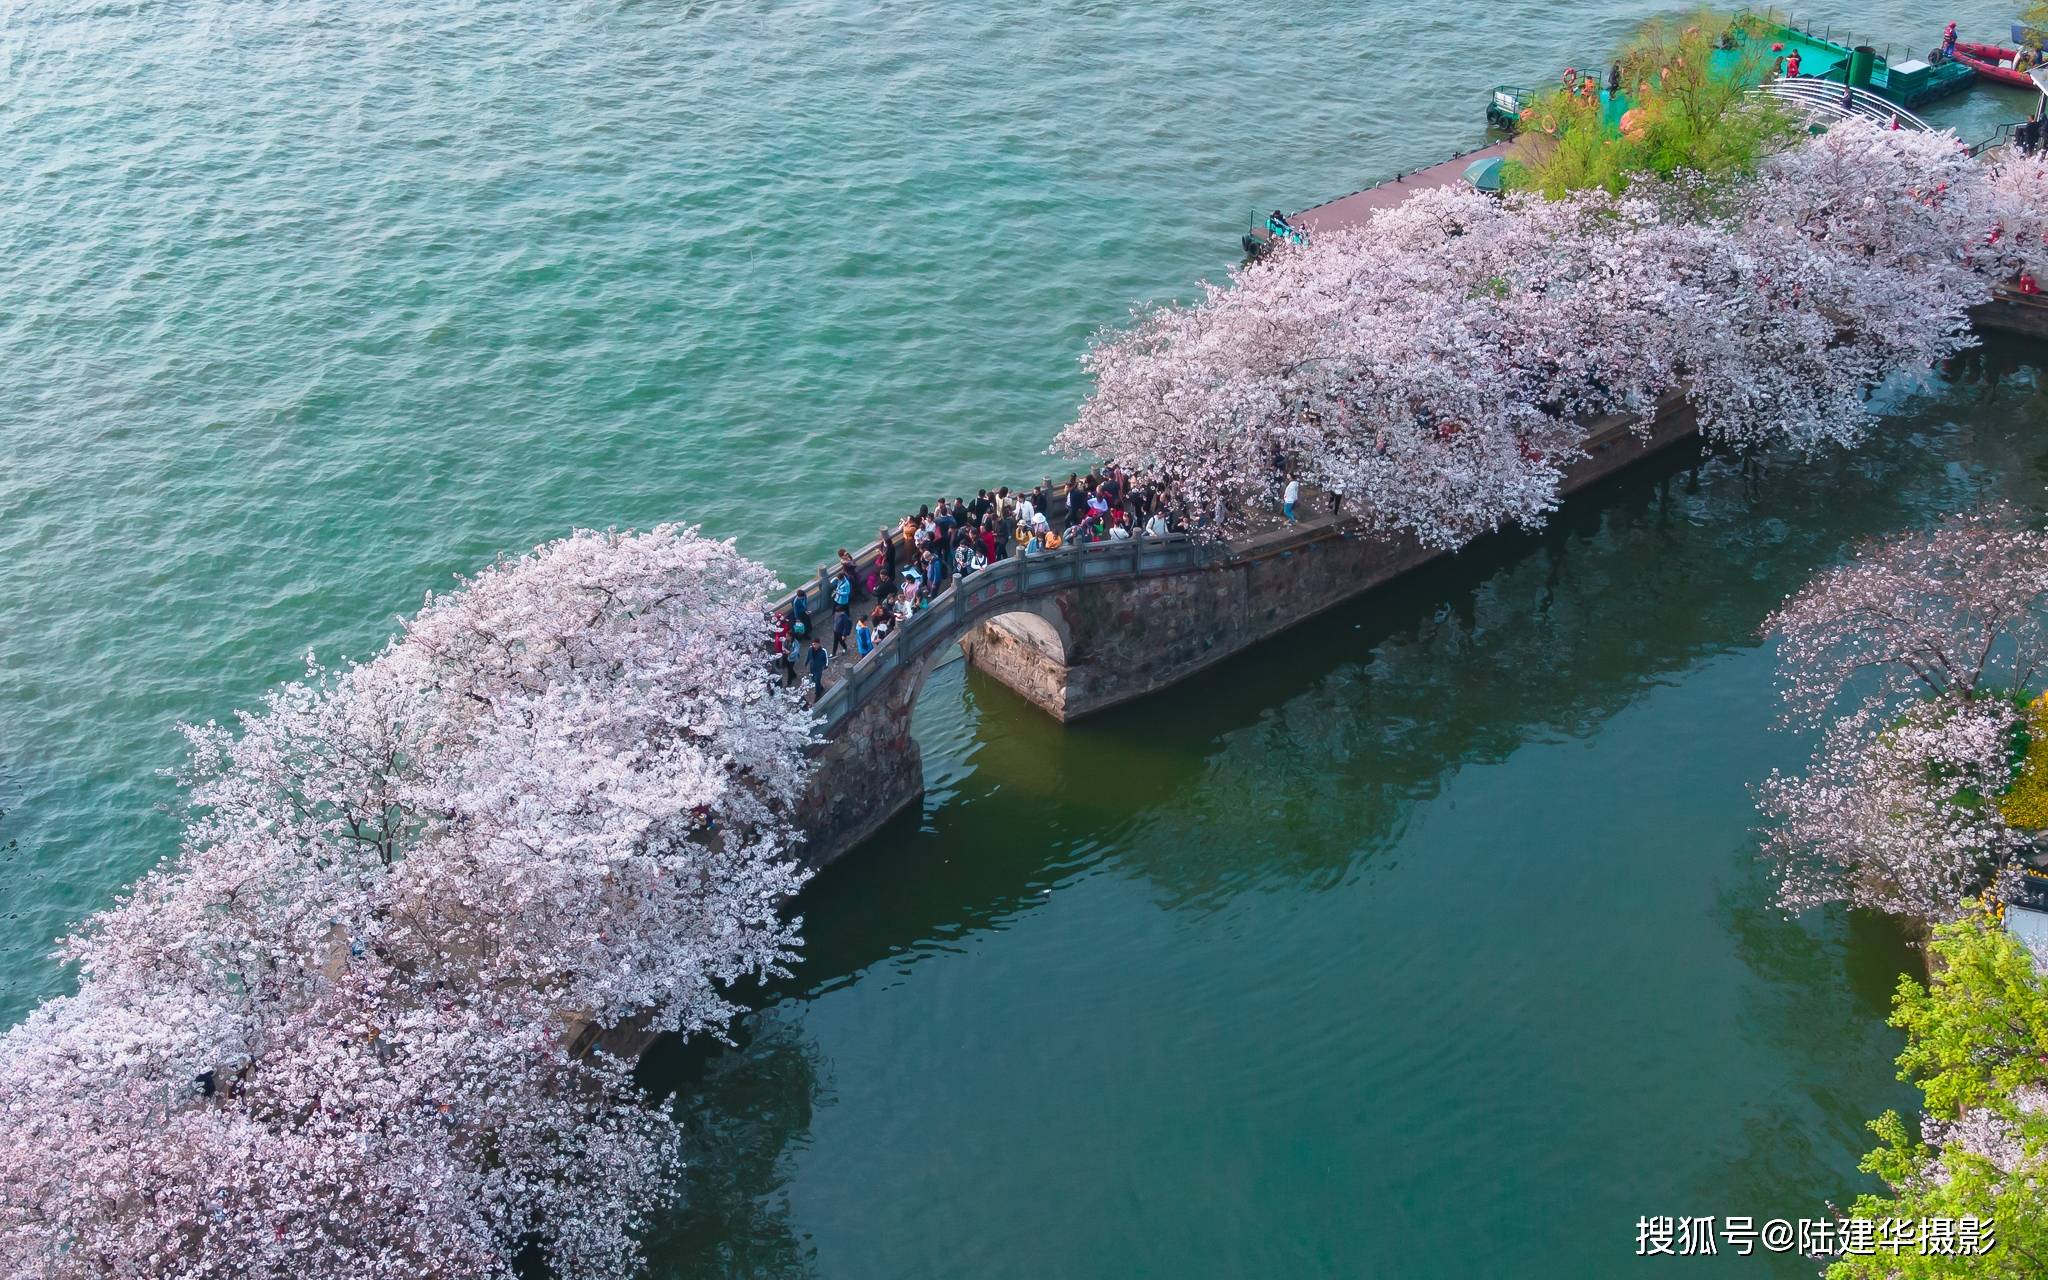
1689	111
1977	1047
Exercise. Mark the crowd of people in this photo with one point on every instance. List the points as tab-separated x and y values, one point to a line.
918	559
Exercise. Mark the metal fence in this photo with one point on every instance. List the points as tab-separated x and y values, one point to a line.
1831	100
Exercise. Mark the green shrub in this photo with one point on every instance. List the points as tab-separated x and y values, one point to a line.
1690	111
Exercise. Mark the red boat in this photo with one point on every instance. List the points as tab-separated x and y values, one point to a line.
1984	59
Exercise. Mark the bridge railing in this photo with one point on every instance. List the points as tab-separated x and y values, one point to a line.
1003	586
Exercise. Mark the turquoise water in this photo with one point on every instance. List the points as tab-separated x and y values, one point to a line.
1429	941
1431	924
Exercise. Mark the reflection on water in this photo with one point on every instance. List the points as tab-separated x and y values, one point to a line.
743	1107
1470	853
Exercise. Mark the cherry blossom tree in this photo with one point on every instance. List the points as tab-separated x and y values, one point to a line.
1438	366
1422	366
369	1130
1897	815
563	793
2013	203
1867	229
1916	655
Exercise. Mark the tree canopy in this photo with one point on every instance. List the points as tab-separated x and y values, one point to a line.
1689	112
1977	1047
329	1038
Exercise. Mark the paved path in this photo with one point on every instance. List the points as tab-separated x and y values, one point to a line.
1351	210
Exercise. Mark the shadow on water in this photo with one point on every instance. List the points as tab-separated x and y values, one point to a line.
742	1108
1316	748
1797	1009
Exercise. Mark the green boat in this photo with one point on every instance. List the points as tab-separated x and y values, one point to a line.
1909	82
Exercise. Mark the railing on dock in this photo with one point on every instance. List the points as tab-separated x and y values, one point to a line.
1999	137
1827	33
1832	100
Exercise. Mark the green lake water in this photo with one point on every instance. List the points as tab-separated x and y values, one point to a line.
1426	941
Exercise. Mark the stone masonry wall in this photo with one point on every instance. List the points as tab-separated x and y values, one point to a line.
2024	314
1035	670
867	772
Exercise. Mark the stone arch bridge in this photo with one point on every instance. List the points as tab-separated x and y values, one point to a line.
1089	626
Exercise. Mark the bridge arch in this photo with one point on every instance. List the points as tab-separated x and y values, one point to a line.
1015	620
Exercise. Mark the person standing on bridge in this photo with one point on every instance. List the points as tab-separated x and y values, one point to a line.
816	664
785	651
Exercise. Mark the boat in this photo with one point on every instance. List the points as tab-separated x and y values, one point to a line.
1993	62
1910	83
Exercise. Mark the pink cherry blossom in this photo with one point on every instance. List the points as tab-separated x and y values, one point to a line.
1437	365
564	792
1914	655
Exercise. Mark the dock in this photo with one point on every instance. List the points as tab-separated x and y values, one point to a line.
1358	207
